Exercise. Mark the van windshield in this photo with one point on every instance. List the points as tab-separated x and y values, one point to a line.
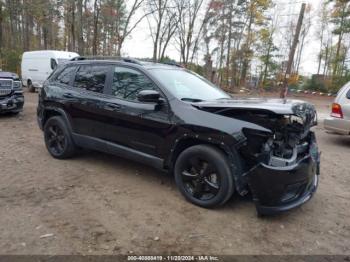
62	60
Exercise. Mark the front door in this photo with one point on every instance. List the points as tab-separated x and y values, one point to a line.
139	126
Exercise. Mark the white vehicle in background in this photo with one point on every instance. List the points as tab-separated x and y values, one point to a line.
339	121
38	65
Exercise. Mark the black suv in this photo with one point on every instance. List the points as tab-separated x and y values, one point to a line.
172	119
11	93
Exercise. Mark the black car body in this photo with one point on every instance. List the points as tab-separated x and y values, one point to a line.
11	93
267	145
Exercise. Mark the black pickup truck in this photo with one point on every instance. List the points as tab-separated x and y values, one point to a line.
11	93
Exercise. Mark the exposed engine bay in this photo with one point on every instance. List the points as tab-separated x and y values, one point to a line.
280	159
289	140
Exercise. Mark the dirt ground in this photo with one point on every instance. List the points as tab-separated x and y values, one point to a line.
101	204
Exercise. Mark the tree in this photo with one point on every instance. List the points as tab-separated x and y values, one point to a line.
189	28
267	49
255	15
126	25
341	20
321	32
162	24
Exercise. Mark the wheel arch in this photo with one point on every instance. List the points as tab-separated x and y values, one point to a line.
236	164
235	160
54	111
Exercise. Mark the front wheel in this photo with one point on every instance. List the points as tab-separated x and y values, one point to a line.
58	139
203	176
31	88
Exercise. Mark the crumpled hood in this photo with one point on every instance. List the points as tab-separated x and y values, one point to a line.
298	108
277	106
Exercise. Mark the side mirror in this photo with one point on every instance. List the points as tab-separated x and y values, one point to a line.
148	96
53	64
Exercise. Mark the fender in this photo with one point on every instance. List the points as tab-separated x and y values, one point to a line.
226	143
58	111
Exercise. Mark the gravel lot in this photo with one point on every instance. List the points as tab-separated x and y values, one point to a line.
100	204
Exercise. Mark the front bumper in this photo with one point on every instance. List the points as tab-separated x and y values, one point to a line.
279	189
13	103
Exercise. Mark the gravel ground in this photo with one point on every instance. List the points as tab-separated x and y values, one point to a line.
100	204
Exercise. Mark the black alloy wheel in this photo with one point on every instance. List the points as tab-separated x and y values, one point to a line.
203	176
58	139
30	86
200	179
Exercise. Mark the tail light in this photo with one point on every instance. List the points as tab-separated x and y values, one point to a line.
336	111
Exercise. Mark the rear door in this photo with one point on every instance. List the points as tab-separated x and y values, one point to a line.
87	99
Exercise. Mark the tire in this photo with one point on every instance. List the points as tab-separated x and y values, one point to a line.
204	168
58	139
30	86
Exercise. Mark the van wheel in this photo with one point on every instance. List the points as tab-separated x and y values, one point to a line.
203	176
30	86
58	139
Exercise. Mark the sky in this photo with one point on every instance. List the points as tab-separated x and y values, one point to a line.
139	44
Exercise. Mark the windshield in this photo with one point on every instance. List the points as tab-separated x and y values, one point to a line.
188	86
62	60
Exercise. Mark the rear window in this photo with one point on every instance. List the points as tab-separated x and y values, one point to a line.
91	78
66	75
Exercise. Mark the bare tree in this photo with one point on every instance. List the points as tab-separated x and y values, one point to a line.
187	35
80	27
162	24
97	5
124	29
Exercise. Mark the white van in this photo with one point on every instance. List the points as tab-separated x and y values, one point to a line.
38	65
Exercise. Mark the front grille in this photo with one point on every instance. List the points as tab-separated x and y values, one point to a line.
5	92
5	87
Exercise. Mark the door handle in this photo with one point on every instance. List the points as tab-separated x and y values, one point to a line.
68	95
112	107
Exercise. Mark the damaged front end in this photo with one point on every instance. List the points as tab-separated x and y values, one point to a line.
283	164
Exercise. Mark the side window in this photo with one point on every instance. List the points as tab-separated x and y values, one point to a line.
127	83
66	75
348	94
91	78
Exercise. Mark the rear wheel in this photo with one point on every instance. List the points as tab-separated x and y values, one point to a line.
58	139
203	176
31	88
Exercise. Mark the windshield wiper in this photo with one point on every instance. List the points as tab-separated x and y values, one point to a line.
195	100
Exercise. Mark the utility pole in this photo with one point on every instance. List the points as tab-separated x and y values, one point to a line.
284	89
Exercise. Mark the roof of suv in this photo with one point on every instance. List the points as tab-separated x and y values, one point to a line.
128	61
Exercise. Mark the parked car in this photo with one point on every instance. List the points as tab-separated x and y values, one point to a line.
339	120
11	93
172	119
36	66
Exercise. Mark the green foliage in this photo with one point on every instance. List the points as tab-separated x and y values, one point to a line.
10	60
315	84
196	68
338	82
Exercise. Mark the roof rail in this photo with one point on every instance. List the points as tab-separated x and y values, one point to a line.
124	59
172	64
